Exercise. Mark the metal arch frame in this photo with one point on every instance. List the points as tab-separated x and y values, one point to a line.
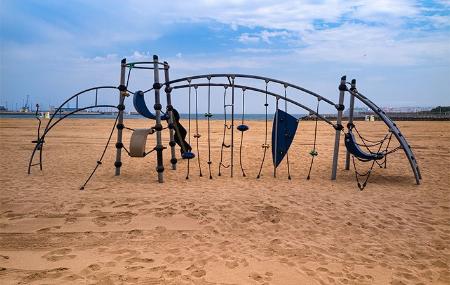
40	141
74	96
394	129
225	85
50	125
266	79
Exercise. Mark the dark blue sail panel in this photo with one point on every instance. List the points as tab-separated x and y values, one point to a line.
353	148
140	106
283	132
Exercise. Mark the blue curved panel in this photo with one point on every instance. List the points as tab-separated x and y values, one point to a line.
354	149
283	132
140	106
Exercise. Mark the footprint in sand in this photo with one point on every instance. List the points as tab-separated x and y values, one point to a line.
198	273
171	273
231	264
135	233
134	268
140	260
70	220
124	254
46	230
121	218
260	278
44	274
59	254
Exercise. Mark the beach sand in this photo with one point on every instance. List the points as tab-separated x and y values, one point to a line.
129	229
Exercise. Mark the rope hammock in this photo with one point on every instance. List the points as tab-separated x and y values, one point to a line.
371	156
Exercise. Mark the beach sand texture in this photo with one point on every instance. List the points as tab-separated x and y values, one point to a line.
132	230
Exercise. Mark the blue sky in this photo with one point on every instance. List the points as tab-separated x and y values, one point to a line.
399	51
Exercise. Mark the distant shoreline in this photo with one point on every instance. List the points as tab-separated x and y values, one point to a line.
237	117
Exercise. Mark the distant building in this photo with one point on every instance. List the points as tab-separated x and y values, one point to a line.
3	108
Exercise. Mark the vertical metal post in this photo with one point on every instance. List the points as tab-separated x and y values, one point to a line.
350	119
76	103
275	146
232	124
168	90
96	97
158	126
340	107
121	107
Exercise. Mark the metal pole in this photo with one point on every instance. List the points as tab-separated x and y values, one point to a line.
169	108
158	127
275	146
340	107
350	119
121	108
232	125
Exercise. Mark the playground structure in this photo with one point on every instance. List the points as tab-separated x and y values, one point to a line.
283	128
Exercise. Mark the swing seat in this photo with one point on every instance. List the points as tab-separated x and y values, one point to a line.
353	148
242	128
138	141
187	155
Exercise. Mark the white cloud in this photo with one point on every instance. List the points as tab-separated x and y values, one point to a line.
248	39
352	34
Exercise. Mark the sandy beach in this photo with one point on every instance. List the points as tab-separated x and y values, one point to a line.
129	229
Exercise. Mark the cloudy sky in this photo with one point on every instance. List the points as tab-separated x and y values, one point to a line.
399	51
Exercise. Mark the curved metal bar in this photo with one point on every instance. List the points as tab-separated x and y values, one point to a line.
31	158
394	129
73	112
36	147
70	98
260	91
133	65
144	67
266	79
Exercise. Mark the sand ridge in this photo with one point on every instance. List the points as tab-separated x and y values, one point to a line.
132	230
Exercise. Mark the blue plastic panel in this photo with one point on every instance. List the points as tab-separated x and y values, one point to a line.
140	106
283	132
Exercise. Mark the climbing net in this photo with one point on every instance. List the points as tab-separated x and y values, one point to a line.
380	155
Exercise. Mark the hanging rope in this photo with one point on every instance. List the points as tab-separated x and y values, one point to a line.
265	146
225	128
285	126
197	135
128	76
242	131
189	126
99	162
314	152
208	116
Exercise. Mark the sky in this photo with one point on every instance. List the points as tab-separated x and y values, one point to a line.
399	51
